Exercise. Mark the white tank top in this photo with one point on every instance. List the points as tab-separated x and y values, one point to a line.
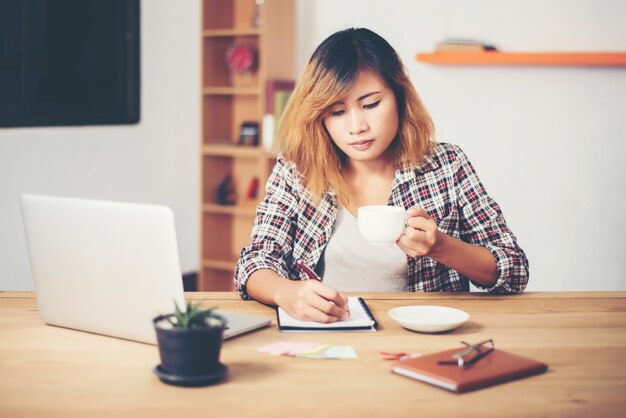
350	264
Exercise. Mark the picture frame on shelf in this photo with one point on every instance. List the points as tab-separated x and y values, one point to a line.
249	134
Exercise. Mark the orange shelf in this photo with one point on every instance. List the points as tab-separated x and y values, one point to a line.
594	59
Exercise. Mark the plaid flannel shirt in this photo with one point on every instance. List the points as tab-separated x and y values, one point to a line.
290	226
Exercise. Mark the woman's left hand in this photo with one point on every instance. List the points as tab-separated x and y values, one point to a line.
421	235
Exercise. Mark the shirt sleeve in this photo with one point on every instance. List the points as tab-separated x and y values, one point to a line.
482	223
273	230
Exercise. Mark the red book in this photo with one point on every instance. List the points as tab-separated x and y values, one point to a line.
497	367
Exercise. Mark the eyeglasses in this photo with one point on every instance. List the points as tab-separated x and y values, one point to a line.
471	354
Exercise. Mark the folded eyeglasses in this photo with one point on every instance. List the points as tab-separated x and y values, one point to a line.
471	354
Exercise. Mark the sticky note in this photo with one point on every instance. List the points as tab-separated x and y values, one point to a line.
339	352
287	348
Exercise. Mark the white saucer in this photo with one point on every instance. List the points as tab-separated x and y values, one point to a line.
428	318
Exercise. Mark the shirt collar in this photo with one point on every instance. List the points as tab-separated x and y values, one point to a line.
404	175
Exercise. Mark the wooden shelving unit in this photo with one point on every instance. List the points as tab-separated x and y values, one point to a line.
228	100
591	59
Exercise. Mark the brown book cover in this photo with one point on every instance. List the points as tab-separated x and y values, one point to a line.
497	367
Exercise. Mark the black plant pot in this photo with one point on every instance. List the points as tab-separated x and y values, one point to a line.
190	357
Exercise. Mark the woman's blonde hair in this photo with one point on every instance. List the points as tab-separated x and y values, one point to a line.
329	76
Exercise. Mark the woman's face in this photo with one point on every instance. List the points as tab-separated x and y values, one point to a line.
365	122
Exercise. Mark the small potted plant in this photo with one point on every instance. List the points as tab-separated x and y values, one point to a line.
190	342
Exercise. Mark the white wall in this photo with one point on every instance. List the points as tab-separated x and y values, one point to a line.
547	142
155	161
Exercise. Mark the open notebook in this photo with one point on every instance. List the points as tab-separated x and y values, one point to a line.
361	319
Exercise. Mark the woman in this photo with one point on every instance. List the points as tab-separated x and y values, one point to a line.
355	133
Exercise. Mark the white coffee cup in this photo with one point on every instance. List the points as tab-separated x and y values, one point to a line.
380	224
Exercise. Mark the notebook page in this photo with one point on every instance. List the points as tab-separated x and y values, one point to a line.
358	318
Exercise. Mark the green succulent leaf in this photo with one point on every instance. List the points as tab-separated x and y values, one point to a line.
194	316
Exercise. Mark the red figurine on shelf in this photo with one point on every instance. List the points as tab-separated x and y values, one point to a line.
253	188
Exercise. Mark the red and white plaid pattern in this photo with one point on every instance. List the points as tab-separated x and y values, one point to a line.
289	226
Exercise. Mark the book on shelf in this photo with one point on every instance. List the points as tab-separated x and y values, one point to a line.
281	97
277	93
463	45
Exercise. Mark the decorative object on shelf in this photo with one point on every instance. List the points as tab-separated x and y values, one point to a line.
257	22
249	134
241	58
269	132
227	192
190	342
253	188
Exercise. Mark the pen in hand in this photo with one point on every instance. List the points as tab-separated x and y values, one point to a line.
313	276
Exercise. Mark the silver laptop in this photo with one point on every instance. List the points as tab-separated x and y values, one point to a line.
108	267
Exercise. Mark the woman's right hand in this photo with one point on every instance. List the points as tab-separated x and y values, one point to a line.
310	300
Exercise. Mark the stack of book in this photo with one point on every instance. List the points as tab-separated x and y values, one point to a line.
463	45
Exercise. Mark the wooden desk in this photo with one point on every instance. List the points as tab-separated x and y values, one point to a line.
49	371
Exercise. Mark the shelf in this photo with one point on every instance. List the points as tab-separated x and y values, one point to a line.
228	100
591	59
232	150
231	91
219	264
229	210
216	33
